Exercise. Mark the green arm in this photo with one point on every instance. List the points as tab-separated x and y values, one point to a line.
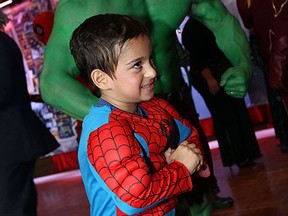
58	84
231	40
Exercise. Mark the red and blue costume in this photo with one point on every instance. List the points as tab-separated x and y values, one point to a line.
122	160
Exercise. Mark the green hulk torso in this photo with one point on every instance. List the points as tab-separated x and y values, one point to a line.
59	86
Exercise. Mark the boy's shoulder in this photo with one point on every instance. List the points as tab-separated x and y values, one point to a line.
158	103
97	116
155	101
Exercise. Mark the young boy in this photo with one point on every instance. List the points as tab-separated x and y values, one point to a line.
136	153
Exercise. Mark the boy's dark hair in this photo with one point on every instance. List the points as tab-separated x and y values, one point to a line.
97	42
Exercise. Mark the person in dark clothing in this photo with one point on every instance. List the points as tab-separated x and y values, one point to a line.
234	130
267	21
23	136
183	102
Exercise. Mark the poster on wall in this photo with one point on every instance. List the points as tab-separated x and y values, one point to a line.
20	28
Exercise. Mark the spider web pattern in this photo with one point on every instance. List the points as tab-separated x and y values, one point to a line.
114	152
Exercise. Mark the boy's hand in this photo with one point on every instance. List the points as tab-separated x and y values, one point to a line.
168	154
188	154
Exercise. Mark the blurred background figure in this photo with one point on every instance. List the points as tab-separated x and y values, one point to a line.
43	25
233	128
268	22
23	136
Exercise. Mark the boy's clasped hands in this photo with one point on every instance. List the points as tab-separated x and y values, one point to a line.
186	153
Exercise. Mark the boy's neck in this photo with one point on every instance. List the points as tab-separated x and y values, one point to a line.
127	107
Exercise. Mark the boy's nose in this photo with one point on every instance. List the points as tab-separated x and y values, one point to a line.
151	72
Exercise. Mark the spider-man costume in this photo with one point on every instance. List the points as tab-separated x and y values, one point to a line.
122	160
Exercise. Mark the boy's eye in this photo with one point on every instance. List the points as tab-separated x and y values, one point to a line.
137	65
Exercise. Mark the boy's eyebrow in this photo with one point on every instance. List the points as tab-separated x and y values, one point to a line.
134	60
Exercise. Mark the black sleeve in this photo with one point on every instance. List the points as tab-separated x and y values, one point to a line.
198	40
6	62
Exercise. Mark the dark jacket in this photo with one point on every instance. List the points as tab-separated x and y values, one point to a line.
22	135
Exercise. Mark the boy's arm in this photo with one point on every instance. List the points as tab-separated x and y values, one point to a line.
184	127
119	165
187	132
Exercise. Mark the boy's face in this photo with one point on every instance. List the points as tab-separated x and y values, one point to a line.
135	75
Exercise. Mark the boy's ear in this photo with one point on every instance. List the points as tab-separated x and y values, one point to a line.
100	79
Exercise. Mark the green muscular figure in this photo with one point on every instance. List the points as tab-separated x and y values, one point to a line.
59	86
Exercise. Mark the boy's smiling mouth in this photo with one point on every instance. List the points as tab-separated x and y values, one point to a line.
149	85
